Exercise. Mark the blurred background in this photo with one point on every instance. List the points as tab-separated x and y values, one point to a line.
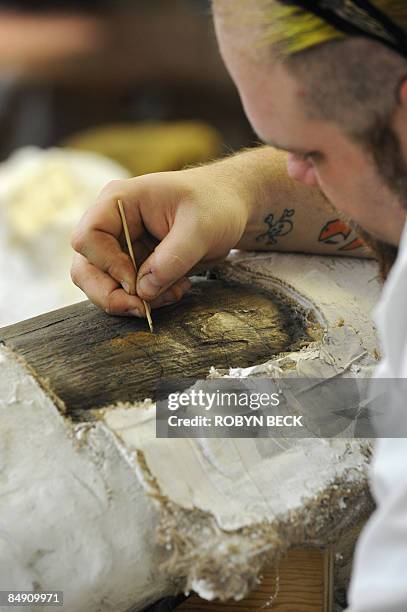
93	90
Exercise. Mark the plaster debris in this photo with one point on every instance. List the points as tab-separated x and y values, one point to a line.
76	517
43	194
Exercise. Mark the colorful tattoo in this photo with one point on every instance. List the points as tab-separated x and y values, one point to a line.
283	226
337	232
357	243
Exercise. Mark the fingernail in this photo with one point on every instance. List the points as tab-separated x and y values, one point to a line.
135	312
125	286
148	286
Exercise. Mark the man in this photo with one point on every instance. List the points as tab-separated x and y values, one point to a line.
327	82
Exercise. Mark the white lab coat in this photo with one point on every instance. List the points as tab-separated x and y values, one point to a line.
379	578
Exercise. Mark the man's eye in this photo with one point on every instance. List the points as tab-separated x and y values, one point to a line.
311	156
305	156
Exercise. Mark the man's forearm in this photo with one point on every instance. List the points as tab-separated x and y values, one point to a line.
284	214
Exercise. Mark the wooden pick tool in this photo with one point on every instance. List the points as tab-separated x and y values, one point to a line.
133	259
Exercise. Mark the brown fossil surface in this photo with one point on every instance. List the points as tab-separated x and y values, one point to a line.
90	360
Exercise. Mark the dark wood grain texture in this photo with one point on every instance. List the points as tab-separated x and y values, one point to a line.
91	360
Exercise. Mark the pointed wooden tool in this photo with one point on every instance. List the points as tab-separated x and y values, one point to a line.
133	259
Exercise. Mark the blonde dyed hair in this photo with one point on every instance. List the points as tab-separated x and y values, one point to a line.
290	29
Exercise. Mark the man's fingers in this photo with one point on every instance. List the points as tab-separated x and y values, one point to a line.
171	260
103	291
97	237
204	266
172	294
104	252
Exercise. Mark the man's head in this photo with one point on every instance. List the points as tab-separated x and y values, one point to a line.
337	103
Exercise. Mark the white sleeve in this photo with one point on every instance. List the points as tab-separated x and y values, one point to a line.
379	579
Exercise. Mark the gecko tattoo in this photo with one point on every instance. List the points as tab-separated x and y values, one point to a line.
280	227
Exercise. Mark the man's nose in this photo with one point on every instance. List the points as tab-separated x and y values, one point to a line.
301	170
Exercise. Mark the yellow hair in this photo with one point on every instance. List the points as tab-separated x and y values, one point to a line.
291	29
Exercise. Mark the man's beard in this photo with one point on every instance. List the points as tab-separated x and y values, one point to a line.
384	253
384	145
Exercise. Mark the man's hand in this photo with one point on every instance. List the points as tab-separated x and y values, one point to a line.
176	220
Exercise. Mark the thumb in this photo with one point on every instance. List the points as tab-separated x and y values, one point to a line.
182	248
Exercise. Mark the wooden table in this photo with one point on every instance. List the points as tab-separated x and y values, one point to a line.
302	583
